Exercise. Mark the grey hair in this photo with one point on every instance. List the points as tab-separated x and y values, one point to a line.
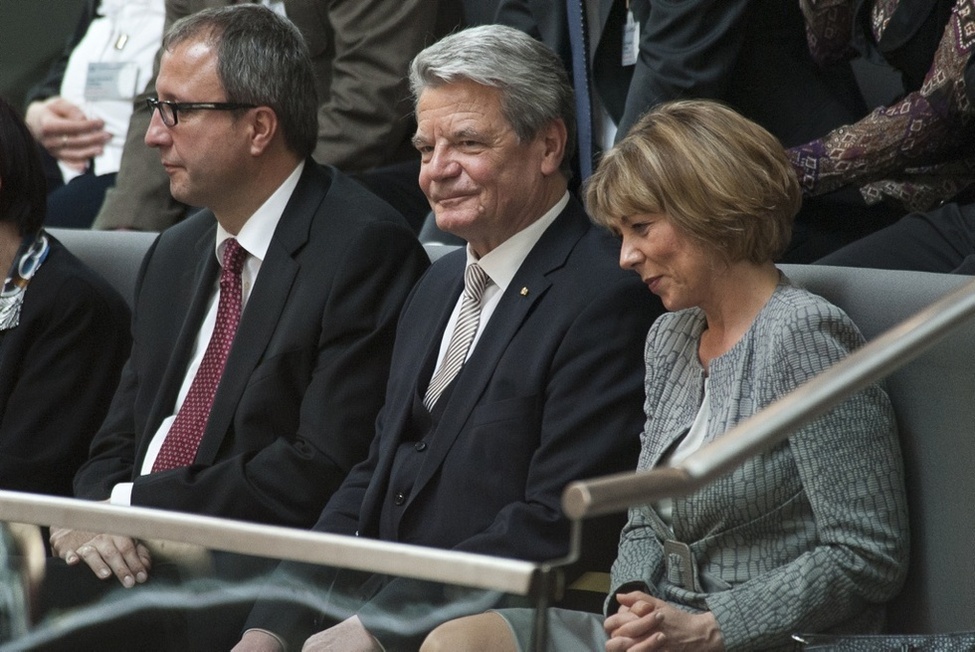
533	82
262	59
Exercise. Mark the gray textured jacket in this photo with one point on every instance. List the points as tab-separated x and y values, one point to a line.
810	536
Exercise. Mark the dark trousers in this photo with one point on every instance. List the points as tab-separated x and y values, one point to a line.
941	240
826	224
74	204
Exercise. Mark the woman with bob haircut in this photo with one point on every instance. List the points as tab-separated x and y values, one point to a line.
809	536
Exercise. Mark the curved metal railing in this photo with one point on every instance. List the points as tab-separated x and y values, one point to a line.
369	555
875	360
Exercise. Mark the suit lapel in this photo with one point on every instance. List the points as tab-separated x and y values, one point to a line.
195	282
264	308
440	311
439	301
549	254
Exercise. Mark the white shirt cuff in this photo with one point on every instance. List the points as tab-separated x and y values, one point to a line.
121	494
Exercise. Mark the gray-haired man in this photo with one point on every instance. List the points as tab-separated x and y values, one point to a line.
475	459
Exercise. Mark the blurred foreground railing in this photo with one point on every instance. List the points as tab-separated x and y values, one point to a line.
538	582
874	361
369	555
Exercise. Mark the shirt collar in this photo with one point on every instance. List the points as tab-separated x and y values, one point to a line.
255	235
502	262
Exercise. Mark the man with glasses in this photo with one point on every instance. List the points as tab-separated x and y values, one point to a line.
169	111
359	50
249	397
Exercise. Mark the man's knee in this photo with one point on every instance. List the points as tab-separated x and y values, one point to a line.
485	632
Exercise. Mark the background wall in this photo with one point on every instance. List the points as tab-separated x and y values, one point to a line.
32	33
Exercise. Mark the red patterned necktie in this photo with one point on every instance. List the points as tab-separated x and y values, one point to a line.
183	439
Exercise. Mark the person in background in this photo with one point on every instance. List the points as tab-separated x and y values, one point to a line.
915	153
360	52
810	535
516	364
80	111
64	332
749	54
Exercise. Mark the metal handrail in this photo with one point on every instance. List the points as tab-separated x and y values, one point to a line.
880	357
403	560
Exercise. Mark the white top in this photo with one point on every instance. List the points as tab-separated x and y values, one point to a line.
691	442
123	39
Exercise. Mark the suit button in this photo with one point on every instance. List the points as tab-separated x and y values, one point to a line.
420	446
399	498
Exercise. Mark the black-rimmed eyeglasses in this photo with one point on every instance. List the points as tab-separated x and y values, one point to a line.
169	111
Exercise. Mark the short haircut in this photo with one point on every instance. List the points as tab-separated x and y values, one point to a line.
262	59
23	188
534	86
723	180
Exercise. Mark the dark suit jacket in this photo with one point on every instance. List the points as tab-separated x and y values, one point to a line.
305	377
58	370
751	54
553	392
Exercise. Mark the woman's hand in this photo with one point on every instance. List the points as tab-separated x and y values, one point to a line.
644	622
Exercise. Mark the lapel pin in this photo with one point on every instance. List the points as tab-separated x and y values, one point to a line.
524	292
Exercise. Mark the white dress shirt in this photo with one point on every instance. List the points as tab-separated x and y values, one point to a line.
500	264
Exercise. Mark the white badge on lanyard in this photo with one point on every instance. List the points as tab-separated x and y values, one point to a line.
631	39
111	80
277	6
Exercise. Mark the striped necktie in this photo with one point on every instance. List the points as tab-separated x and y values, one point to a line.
475	281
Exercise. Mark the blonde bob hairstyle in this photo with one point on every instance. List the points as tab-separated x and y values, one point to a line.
722	180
